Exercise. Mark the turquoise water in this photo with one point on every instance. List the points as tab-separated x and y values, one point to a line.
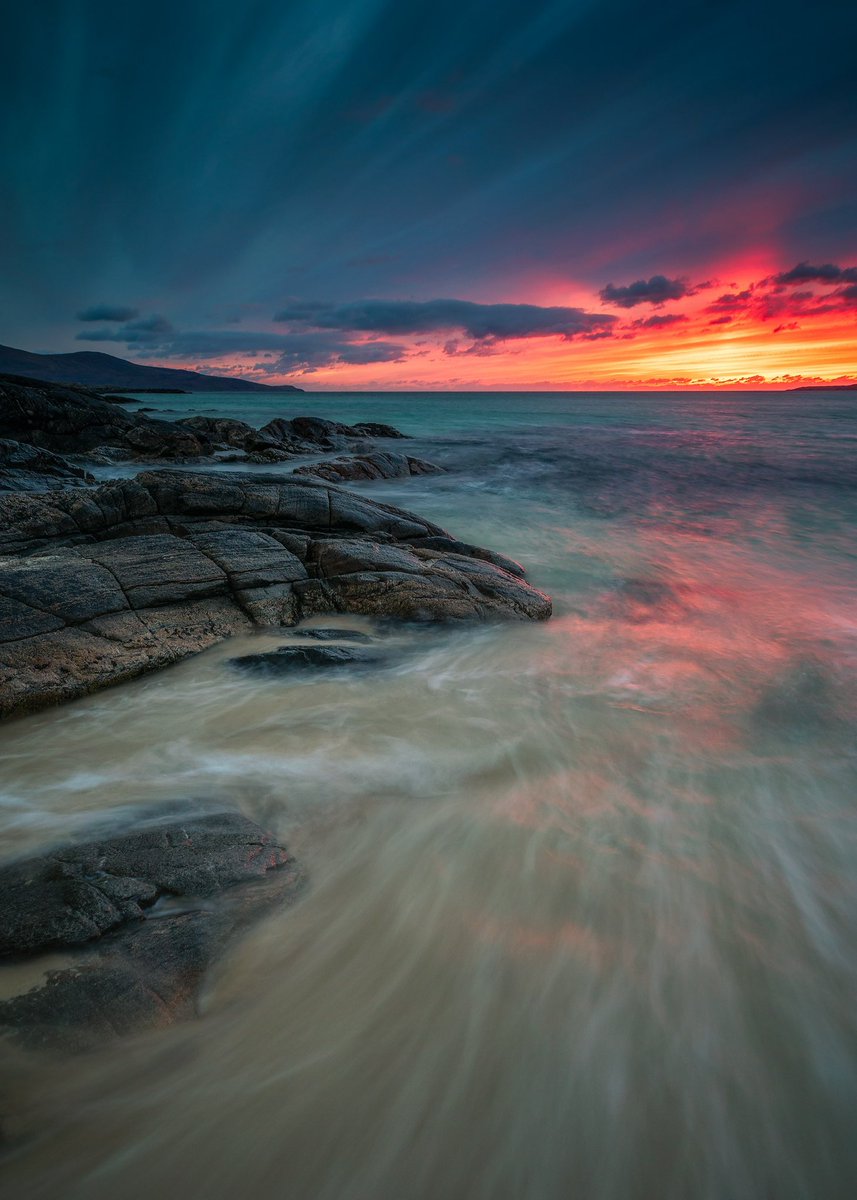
583	907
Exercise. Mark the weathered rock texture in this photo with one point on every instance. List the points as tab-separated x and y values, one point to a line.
328	435
26	468
380	464
73	420
141	965
76	420
287	659
100	585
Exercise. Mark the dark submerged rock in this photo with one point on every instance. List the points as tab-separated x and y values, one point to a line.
77	893
139	966
288	659
333	635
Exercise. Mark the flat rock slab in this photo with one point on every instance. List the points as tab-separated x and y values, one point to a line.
288	659
77	893
138	955
99	585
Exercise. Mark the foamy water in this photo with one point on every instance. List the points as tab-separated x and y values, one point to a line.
582	914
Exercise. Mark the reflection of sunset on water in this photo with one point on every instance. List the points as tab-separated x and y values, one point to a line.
564	878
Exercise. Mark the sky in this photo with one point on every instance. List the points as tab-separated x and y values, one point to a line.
403	194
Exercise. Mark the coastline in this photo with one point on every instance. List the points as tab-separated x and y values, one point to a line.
531	848
100	584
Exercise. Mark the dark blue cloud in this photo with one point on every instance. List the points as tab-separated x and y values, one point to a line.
479	321
107	312
147	329
210	158
658	321
302	351
656	291
827	273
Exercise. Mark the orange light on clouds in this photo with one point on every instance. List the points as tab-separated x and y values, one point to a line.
731	332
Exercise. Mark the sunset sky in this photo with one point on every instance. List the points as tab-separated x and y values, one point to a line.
407	194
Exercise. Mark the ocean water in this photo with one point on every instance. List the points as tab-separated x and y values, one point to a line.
582	913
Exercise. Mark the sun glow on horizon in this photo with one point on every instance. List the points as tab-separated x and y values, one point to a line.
754	331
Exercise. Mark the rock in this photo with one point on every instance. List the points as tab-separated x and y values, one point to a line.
142	961
77	893
333	635
382	580
376	429
76	420
377	465
315	432
286	659
25	468
224	431
100	585
452	546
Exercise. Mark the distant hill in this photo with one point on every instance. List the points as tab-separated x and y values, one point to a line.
826	387
105	371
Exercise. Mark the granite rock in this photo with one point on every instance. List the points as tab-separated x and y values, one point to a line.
137	956
100	585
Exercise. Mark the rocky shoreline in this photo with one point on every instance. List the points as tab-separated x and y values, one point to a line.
100	583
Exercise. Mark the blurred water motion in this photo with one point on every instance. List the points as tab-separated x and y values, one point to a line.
581	919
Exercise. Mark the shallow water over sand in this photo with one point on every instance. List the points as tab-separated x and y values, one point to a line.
582	914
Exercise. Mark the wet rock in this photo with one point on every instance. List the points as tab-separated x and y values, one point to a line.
377	465
333	635
77	893
450	545
99	585
25	468
377	430
288	659
74	420
377	579
140	963
224	431
316	432
639	601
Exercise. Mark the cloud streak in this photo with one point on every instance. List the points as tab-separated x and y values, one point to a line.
155	338
656	291
498	322
107	312
805	272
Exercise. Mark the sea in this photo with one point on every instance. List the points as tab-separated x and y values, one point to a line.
581	912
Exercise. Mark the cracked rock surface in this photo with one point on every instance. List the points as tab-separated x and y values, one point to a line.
98	585
132	966
25	468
